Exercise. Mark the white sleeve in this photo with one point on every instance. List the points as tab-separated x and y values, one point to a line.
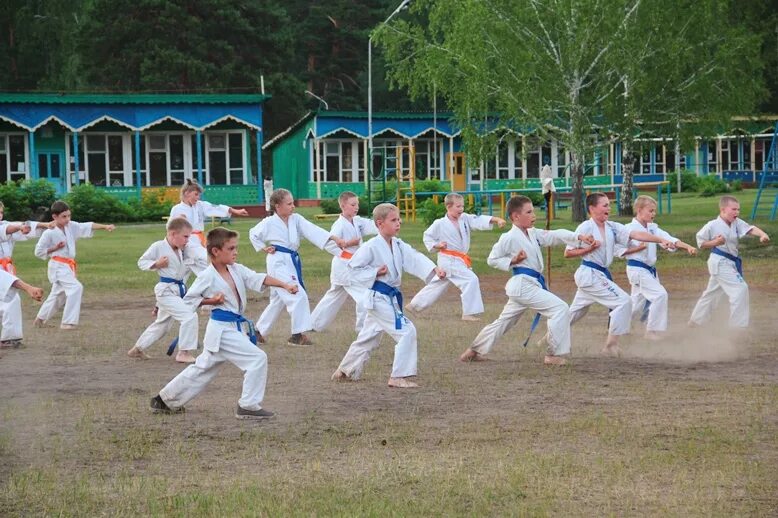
199	289
251	279
479	222
621	232
82	230
216	211
501	255
149	257
177	211
743	228
361	265
581	229
257	235
557	237
43	244
367	227
6	283
704	234
431	236
416	263
312	232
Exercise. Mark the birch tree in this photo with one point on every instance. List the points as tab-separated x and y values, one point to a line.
578	71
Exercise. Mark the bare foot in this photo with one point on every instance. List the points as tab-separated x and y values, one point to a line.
554	360
339	375
68	327
185	357
471	356
401	383
470	318
39	323
611	350
135	352
412	311
653	336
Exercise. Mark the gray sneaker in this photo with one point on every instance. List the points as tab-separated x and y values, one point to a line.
242	413
11	344
159	407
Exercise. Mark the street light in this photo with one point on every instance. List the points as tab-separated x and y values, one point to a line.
400	7
326	106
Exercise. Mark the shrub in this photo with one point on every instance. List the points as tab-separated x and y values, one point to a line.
430	211
689	181
151	207
26	198
331	206
712	185
736	185
90	204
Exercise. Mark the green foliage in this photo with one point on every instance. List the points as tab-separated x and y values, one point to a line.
430	211
88	203
331	206
689	181
712	185
151	207
26	199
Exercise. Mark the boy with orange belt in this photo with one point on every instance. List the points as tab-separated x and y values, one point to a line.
450	237
59	245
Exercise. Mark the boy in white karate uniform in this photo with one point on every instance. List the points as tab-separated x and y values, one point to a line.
594	280
223	284
279	236
450	237
725	266
168	258
647	291
11	309
521	250
379	263
9	283
351	228
58	244
196	211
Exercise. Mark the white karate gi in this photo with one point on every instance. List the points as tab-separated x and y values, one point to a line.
267	186
724	277
273	231
11	307
196	215
170	306
65	288
646	287
381	309
457	238
594	286
341	286
7	291
525	292
223	342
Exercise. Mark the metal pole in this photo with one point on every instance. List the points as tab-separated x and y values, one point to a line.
369	120
199	142
76	164
137	164
260	176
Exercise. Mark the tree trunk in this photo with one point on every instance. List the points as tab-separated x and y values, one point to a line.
576	173
628	159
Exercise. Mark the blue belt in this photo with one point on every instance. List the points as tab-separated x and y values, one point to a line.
296	261
181	285
599	268
222	315
521	270
652	271
735	259
393	293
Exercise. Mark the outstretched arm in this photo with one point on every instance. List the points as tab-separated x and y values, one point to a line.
32	291
571	253
761	234
642	235
98	226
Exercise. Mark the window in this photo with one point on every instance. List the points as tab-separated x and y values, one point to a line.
518	159
17	156
236	158
503	170
224	158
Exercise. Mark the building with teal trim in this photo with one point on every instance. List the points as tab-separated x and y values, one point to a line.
326	152
126	142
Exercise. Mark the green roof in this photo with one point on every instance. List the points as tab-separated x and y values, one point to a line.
130	98
382	115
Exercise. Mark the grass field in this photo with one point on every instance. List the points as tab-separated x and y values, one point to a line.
685	427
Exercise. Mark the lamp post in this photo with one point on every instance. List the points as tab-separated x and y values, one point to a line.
399	8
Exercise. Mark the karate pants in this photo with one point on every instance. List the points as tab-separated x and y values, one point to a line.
198	258
65	291
727	281
646	287
171	308
465	280
605	292
329	305
235	348
296	305
11	312
533	299
380	320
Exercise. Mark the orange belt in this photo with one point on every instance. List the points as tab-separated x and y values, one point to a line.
200	235
345	254
7	264
65	260
461	255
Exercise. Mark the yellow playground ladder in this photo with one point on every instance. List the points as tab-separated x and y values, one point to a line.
406	189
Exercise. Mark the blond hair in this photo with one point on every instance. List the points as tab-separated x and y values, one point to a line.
451	198
190	184
382	211
726	200
178	225
277	197
642	201
345	196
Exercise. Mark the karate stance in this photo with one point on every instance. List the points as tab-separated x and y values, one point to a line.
725	266
450	237
196	211
223	284
11	309
379	263
279	236
58	244
168	258
648	295
351	228
520	250
594	280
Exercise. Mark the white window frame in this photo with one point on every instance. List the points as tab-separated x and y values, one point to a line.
207	155
25	145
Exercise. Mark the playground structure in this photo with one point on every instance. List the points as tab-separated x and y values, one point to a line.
768	183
